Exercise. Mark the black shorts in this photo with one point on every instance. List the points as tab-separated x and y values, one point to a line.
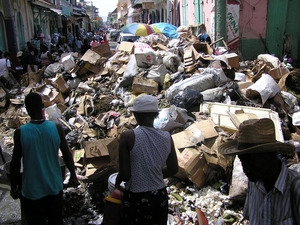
147	208
48	208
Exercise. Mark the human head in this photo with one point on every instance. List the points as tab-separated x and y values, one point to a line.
34	104
257	148
145	108
44	47
6	55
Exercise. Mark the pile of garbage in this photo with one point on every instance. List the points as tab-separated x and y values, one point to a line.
203	96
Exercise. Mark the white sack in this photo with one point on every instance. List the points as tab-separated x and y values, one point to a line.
270	58
239	182
266	86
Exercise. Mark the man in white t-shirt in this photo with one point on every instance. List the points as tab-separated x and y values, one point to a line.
5	68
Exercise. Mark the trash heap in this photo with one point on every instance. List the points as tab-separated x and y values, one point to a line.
203	96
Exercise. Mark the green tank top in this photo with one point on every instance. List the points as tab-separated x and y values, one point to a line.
41	170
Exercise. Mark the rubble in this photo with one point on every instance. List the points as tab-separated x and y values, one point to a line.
204	97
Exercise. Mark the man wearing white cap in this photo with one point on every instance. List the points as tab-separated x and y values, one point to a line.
273	195
146	156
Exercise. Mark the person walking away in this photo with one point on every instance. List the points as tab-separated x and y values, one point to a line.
146	156
94	43
85	46
46	56
271	184
78	44
6	77
36	144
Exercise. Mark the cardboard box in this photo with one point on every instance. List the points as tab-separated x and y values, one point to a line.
97	154
144	85
203	47
126	46
68	62
233	60
195	133
103	50
61	84
277	73
194	164
53	98
91	56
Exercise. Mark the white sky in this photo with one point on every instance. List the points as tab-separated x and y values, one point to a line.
105	6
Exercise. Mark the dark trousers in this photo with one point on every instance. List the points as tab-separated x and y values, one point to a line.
46	210
145	208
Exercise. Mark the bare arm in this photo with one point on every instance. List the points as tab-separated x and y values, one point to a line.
15	165
171	167
125	146
67	156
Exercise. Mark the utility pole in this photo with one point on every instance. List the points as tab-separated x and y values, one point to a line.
10	27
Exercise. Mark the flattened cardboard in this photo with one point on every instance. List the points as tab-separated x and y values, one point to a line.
95	148
184	139
103	50
126	46
61	84
277	73
91	56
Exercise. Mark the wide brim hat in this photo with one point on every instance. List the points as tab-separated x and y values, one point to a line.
260	132
145	104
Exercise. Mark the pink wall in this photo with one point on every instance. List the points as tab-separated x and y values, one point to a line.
209	16
253	19
191	12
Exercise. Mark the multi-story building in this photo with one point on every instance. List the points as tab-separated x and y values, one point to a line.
21	21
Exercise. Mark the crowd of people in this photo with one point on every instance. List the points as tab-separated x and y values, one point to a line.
42	51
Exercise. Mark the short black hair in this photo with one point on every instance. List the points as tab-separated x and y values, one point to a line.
33	101
6	54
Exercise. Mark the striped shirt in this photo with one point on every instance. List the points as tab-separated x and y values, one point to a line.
274	207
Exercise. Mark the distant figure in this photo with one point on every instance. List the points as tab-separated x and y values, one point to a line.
85	46
204	37
37	145
46	56
94	43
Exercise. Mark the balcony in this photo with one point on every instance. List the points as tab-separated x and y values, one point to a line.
122	14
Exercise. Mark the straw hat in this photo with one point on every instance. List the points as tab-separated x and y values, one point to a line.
144	104
256	131
19	53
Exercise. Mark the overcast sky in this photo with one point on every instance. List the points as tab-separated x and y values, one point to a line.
105	6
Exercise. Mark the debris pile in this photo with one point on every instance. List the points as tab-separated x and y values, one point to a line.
203	96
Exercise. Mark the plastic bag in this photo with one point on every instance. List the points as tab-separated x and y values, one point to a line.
197	82
171	118
187	99
130	72
239	182
157	73
171	61
52	70
53	113
213	94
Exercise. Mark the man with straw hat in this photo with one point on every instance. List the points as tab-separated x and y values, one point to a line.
271	183
146	156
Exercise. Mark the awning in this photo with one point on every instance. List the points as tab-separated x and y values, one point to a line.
58	11
66	10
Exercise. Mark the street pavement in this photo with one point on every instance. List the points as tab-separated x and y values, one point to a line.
10	213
